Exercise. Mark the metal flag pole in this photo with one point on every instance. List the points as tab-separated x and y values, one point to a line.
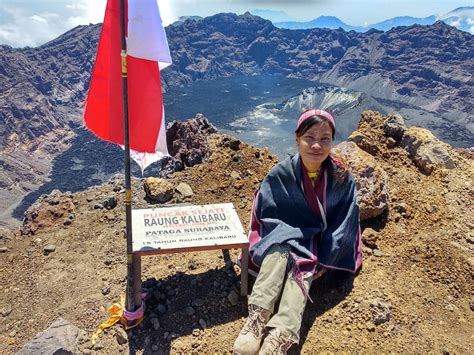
133	298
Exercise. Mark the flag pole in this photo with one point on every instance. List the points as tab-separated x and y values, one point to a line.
133	298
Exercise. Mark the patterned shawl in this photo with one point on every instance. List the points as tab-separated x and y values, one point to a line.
286	211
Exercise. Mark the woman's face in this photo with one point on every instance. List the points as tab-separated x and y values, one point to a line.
314	145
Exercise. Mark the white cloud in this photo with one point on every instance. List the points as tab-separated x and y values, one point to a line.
34	23
455	23
470	21
39	19
471	30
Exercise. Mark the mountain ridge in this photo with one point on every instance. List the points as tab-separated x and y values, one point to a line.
42	89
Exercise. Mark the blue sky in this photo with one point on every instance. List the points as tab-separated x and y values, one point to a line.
34	22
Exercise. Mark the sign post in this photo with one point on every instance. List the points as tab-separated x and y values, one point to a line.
190	228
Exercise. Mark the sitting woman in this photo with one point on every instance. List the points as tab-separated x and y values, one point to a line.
305	219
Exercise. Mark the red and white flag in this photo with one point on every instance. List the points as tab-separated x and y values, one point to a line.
147	54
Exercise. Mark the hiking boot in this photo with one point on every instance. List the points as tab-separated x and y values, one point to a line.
250	337
276	343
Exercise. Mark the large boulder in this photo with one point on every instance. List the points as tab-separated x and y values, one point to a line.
426	151
187	144
394	126
158	190
61	337
371	179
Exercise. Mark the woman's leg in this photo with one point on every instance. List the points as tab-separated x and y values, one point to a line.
265	293
286	323
269	283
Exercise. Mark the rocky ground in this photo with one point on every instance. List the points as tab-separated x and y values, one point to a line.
413	295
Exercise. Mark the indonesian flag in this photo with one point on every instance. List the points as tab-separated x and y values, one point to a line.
147	54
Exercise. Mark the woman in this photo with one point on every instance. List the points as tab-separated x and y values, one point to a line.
305	219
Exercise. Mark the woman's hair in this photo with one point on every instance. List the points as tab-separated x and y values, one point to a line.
340	169
310	122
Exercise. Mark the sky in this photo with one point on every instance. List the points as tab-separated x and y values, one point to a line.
34	22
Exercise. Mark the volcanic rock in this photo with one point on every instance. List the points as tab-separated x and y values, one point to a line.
61	337
427	151
370	237
394	126
158	190
184	190
371	180
187	143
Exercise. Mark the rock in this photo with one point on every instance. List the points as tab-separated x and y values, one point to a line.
391	142
370	326
187	143
370	237
121	336
196	332
49	249
198	302
234	144
161	308
98	206
363	142
5	312
471	305
234	175
190	311
3	250
61	337
110	202
426	151
381	311
108	261
371	180
105	290
156	323
158	190
184	190
377	253
233	297
195	343
236	158
394	126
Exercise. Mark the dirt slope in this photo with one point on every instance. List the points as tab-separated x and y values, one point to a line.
413	295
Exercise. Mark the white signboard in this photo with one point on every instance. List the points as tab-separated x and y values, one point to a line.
186	228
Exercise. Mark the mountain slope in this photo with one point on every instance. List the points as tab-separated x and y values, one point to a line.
413	294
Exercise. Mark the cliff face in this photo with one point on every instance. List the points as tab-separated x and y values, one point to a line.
412	295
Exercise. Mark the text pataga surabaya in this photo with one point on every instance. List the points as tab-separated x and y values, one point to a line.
197	217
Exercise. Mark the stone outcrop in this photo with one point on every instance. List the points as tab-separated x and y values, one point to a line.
61	337
371	180
427	151
187	143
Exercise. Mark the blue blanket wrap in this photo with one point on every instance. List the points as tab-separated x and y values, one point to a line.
282	215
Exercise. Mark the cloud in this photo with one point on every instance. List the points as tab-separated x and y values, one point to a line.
34	23
455	23
39	19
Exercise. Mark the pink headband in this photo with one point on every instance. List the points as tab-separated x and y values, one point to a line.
317	112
